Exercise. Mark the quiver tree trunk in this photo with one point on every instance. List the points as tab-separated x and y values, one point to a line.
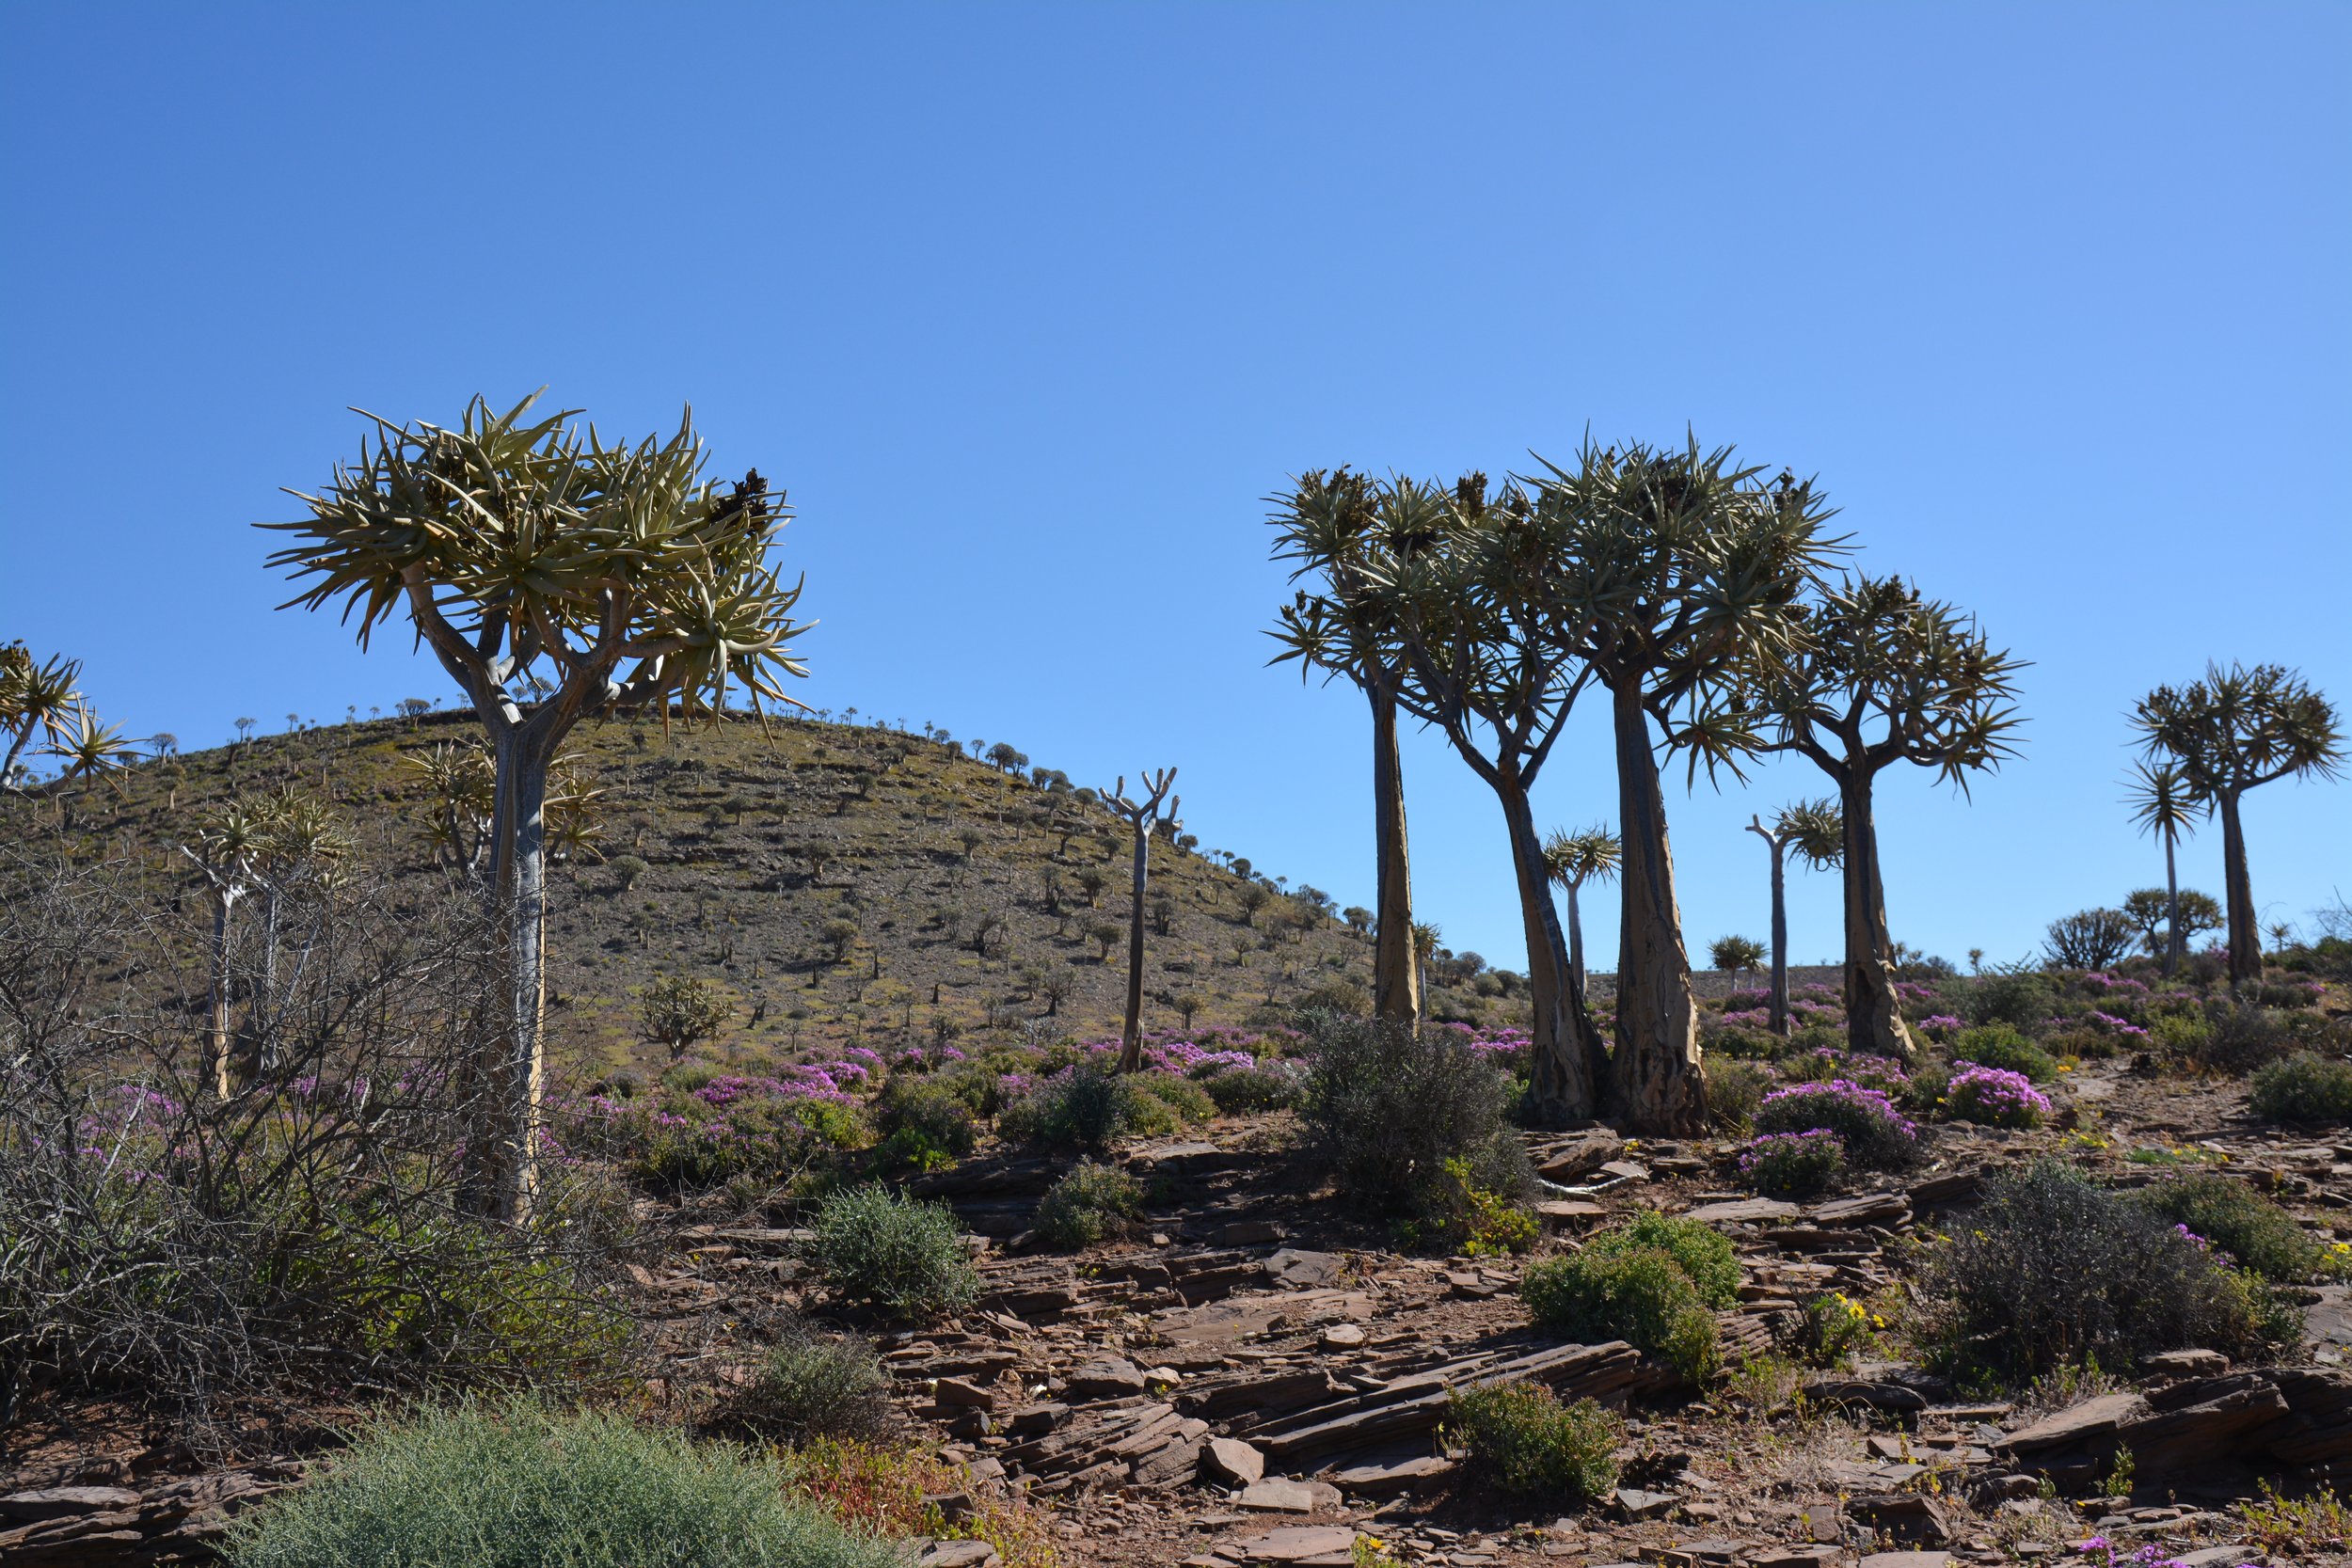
1131	1028
1566	1066
1874	1017
2246	943
1780	937
510	1077
1657	1085
1576	941
2174	942
216	977
1395	978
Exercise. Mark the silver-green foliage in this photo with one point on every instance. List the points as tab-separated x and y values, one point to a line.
529	1488
882	1249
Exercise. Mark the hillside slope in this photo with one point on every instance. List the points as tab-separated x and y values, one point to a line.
969	888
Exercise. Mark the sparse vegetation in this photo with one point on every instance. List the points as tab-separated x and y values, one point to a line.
883	1250
1089	1204
1523	1441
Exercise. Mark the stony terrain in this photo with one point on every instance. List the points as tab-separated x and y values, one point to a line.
1257	1379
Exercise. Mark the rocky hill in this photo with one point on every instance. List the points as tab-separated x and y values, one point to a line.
841	883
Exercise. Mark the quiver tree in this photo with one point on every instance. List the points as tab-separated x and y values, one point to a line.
2161	804
2236	730
1156	812
34	699
1669	575
1327	524
1885	676
554	577
226	844
2167	917
300	846
1573	859
1817	831
1444	576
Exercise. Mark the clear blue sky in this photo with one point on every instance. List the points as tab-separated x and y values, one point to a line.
1028	307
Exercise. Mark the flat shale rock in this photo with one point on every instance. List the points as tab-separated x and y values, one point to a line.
1907	1559
1296	1543
1277	1496
2082	1423
957	1554
1305	1271
1578	1157
1746	1210
1561	1211
1388	1480
1233	1460
1107	1377
1634	1504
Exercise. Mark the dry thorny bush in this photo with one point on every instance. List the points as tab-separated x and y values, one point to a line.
198	1254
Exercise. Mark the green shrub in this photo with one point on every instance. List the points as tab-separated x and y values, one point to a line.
1090	1203
1641	1297
1386	1108
1734	1088
1794	1165
1189	1102
1457	1214
2241	1221
1087	1108
1834	1328
1703	1252
1999	1045
525	1488
2305	1087
2242	1037
1243	1091
1521	1440
2053	1272
882	1249
928	1107
809	1387
2181	1037
2020	998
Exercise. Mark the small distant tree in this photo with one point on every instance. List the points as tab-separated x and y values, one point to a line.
1153	814
165	742
34	699
2169	916
839	935
2090	939
1163	914
87	750
2235	730
1105	936
414	709
1006	758
680	1013
2161	803
1358	919
1187	1003
1883	676
971	838
1817	832
1091	882
227	843
244	730
1425	936
628	870
1055	985
1736	955
554	577
1252	898
736	805
460	782
1571	860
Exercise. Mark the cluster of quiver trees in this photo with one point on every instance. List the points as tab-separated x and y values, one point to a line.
1704	605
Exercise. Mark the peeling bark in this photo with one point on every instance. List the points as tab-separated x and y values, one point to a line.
1657	1083
1396	980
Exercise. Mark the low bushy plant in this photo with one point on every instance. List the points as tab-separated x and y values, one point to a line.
2053	1272
1643	1297
2305	1087
1999	1045
1874	1132
1089	1204
1457	1214
1386	1108
2242	1037
1523	1440
1186	1102
895	1254
1244	1091
2020	998
1700	1250
527	1488
810	1386
1081	1108
2250	1228
1734	1089
1993	1098
1794	1165
1832	1329
930	1109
